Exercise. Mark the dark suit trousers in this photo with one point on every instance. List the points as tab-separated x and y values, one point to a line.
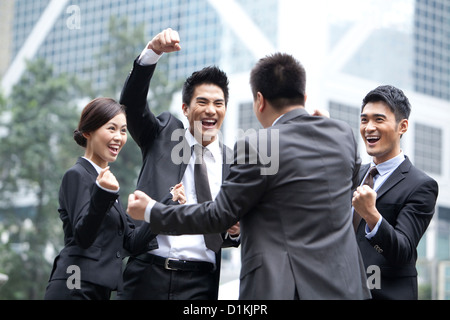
153	282
58	290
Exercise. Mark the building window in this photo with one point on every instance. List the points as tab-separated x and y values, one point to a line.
428	148
346	113
443	251
247	119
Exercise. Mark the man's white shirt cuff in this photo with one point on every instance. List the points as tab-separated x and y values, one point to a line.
371	234
148	57
148	210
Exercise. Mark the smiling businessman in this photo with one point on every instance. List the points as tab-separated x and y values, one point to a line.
391	217
187	266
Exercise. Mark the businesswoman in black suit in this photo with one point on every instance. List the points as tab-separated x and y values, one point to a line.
98	233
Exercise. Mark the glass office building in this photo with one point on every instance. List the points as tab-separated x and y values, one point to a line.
432	48
71	44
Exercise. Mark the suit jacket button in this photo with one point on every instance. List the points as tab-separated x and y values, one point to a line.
378	249
118	254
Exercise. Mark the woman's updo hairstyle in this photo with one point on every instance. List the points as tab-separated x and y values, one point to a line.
94	115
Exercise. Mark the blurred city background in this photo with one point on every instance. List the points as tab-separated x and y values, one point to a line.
56	55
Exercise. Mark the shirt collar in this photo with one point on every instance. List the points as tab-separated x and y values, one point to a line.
213	147
389	165
96	167
277	119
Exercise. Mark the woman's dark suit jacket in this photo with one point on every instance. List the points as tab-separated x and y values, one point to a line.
98	233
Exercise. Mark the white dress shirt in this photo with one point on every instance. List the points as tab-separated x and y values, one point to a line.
192	247
98	169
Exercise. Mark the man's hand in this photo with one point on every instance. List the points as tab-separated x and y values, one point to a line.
235	230
167	40
178	193
107	180
321	113
364	200
137	202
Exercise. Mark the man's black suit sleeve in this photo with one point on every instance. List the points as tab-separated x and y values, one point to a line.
86	206
399	241
142	123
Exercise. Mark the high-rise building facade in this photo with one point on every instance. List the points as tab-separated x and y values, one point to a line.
6	18
432	48
81	29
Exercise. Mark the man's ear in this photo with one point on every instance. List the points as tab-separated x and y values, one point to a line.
185	109
403	126
260	102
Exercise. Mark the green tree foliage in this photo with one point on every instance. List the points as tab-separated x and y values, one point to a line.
37	147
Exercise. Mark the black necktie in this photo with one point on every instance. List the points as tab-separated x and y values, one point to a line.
368	181
212	241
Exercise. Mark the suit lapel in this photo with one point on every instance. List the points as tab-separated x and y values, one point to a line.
88	166
396	176
362	172
91	170
227	158
185	162
118	206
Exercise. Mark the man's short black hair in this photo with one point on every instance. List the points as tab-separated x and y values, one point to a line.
393	97
280	78
207	75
